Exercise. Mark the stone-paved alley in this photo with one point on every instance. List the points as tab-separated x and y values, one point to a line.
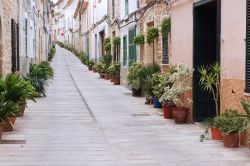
87	121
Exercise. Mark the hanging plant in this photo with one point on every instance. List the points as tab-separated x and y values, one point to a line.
152	35
116	41
166	26
139	39
107	45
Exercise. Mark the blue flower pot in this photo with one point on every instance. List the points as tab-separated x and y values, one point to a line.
156	102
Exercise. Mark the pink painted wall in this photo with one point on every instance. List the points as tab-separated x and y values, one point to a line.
233	34
182	33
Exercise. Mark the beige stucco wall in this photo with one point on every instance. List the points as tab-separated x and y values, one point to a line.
233	34
233	54
182	33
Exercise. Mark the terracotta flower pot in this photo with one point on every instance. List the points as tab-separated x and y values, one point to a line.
94	70
216	134
180	115
22	109
1	130
168	111
116	82
106	76
136	92
90	68
231	140
8	125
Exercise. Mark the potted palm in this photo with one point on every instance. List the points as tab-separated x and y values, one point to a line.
181	83
134	79
210	81
148	81
8	110
18	90
232	124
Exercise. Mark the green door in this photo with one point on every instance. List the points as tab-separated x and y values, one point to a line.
125	50
132	46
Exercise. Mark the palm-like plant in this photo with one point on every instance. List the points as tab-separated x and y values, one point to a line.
8	108
38	75
146	75
210	81
17	89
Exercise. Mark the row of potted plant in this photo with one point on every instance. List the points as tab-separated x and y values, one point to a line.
167	90
15	90
162	89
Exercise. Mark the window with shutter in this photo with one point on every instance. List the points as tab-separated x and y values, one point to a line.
132	46
247	86
165	59
13	46
125	50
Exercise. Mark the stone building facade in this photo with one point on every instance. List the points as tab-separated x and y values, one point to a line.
154	14
23	34
8	25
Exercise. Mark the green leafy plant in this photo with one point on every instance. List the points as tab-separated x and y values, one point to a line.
181	82
90	63
146	74
158	83
116	41
165	26
114	70
139	39
51	53
152	35
8	108
210	123
133	76
38	75
107	45
101	68
231	121
17	89
210	81
107	59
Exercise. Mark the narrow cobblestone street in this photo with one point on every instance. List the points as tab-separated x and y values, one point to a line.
87	121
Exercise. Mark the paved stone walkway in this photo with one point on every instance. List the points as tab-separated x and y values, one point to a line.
87	121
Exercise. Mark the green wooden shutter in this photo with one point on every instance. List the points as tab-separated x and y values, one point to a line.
126	7
247	86
132	46
165	59
125	50
13	45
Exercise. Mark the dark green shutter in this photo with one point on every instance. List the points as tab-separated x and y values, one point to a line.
125	50
132	46
13	46
247	88
165	59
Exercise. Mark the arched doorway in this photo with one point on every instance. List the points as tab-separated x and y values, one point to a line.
1	47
